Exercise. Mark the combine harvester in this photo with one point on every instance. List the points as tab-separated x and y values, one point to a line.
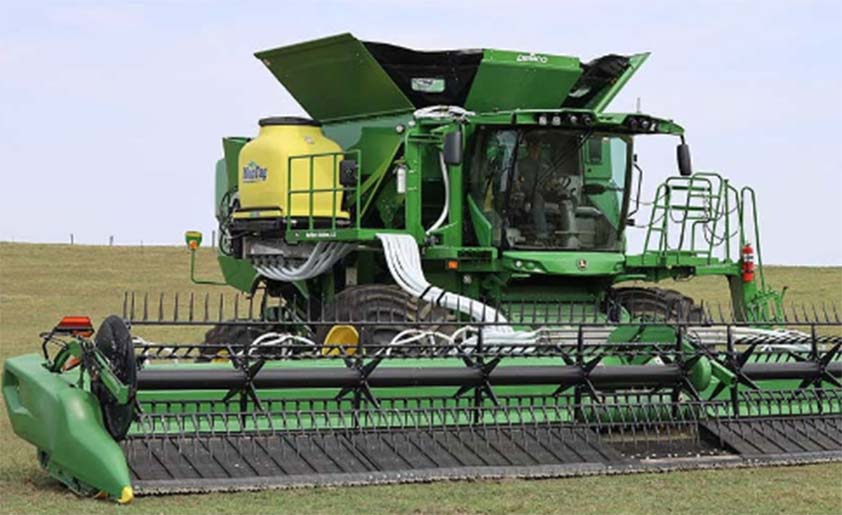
428	271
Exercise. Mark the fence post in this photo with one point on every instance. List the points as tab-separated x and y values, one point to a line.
111	241
71	238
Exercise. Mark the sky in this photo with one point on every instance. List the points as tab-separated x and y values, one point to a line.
112	113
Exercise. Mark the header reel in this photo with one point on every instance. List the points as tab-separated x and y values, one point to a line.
582	395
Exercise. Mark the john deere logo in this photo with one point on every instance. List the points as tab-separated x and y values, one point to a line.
582	264
254	173
532	58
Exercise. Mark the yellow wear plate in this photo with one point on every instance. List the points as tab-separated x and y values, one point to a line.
126	495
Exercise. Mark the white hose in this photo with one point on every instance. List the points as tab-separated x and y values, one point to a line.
446	209
323	256
404	261
280	341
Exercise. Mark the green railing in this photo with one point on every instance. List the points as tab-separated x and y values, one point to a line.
679	201
334	190
704	220
702	217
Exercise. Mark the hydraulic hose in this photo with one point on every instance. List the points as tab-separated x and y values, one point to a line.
323	256
445	177
404	262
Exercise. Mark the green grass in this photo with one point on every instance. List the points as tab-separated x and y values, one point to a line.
40	283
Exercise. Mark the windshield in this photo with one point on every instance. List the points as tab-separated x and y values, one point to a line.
547	188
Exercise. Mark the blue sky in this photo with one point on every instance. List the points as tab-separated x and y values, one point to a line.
111	113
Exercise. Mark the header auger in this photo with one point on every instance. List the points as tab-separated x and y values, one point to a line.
429	275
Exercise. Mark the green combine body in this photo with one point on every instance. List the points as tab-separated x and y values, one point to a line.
429	287
501	103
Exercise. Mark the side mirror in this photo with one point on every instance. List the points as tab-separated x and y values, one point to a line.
453	148
682	152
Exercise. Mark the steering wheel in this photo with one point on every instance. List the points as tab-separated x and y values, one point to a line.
561	187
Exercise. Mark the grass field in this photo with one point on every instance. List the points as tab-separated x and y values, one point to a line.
40	283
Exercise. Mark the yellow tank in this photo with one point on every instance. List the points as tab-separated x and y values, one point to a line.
264	179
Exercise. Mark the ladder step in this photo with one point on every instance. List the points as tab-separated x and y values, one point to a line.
690	188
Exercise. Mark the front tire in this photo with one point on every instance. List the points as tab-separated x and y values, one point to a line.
379	313
658	305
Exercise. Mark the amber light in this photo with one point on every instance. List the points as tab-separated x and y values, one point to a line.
452	264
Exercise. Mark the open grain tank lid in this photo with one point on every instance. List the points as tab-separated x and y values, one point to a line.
341	77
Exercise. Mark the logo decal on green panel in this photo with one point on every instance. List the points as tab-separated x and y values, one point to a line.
532	58
427	84
254	173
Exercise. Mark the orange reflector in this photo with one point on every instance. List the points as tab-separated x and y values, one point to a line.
71	363
78	325
452	264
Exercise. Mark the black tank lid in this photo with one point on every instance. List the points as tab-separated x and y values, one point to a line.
288	120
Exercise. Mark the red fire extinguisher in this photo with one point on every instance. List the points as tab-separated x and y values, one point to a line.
748	263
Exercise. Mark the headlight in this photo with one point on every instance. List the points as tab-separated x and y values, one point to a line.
565	119
641	123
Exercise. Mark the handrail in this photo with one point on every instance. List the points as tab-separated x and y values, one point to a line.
745	192
700	222
336	188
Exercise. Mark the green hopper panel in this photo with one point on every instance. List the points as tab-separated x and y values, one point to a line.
335	78
535	81
340	78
